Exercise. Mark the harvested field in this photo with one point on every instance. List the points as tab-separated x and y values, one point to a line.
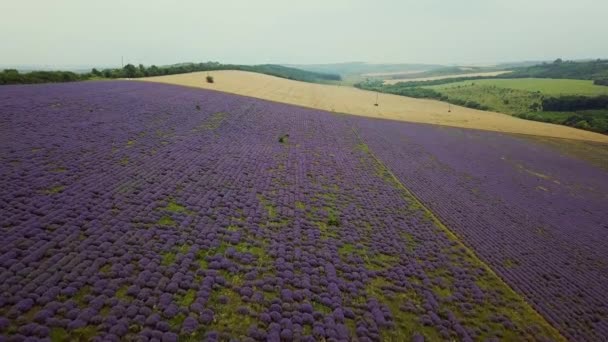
360	102
432	78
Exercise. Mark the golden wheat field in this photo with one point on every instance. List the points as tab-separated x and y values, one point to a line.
360	102
432	78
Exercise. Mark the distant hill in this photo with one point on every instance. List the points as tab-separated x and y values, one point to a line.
268	69
360	68
580	70
465	71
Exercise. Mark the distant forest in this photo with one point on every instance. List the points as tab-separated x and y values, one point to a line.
596	70
12	76
585	112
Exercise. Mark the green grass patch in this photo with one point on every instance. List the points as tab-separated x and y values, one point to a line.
362	147
184	248
226	318
105	311
86	333
406	323
175	207
307	330
300	205
245	247
410	242
547	86
59	335
272	210
176	321
31	313
201	255
326	231
121	293
442	291
333	217
168	258
54	189
380	261
166	221
186	299
348	249
320	307
79	296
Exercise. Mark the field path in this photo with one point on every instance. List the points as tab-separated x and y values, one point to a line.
361	102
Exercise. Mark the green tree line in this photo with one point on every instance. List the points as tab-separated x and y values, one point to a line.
588	70
12	76
575	102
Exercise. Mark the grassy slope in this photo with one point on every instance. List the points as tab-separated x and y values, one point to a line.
521	96
504	100
546	86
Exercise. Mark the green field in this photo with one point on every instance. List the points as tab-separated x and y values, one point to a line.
504	100
546	86
523	97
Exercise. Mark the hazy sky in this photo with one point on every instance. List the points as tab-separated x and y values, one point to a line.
87	32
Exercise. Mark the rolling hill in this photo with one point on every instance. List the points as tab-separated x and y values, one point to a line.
360	102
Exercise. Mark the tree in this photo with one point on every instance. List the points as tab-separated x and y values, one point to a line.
153	71
130	71
142	71
11	76
96	72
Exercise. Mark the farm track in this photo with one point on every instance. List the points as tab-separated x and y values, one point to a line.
354	101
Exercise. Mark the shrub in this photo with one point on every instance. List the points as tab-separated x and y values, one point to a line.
583	124
209	79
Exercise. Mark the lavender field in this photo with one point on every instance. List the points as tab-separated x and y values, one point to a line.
140	211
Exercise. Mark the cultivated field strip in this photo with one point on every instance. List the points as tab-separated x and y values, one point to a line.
146	211
537	217
432	78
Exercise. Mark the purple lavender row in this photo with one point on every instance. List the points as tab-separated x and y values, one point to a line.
154	212
537	217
